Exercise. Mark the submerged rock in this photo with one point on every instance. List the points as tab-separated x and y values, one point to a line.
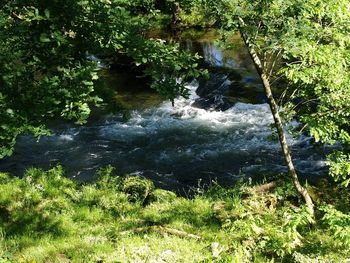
217	83
216	102
224	88
212	92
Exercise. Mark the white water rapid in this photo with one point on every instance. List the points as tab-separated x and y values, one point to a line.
174	146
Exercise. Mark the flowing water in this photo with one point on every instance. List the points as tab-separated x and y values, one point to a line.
175	146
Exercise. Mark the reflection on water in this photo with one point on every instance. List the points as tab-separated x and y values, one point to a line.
231	55
215	56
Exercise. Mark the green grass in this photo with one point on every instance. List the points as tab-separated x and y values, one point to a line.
45	217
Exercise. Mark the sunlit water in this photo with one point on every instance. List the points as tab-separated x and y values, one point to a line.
174	146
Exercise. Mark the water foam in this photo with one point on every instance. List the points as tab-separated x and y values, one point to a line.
172	145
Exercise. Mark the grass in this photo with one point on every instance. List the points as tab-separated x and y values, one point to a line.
45	217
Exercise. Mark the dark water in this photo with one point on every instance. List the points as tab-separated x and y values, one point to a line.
177	146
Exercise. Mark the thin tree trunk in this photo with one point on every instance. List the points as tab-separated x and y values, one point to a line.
278	122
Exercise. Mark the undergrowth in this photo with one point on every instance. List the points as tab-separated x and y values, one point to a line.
45	217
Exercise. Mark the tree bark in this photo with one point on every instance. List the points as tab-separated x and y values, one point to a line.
277	120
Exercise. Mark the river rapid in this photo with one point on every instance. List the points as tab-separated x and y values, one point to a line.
176	146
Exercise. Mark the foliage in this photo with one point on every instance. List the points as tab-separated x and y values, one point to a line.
47	217
339	226
45	59
317	65
340	167
305	44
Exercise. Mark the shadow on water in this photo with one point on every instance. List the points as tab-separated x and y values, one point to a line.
222	132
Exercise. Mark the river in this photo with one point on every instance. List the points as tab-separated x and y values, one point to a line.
176	146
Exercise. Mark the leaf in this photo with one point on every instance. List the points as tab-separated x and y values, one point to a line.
10	112
177	67
47	13
88	83
44	38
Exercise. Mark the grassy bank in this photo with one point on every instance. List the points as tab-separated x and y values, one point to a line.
45	217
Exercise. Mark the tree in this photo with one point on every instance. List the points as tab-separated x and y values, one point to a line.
306	44
44	59
276	116
318	67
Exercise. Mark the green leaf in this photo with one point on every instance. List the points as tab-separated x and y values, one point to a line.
47	13
44	38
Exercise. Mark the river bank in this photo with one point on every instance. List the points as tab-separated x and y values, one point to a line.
46	217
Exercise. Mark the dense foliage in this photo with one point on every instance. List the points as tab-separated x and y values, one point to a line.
45	217
45	59
306	45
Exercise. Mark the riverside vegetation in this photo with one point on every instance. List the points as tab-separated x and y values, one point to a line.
46	217
47	74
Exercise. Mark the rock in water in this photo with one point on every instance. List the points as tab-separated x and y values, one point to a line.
211	93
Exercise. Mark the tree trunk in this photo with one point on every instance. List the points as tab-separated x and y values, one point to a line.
277	120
